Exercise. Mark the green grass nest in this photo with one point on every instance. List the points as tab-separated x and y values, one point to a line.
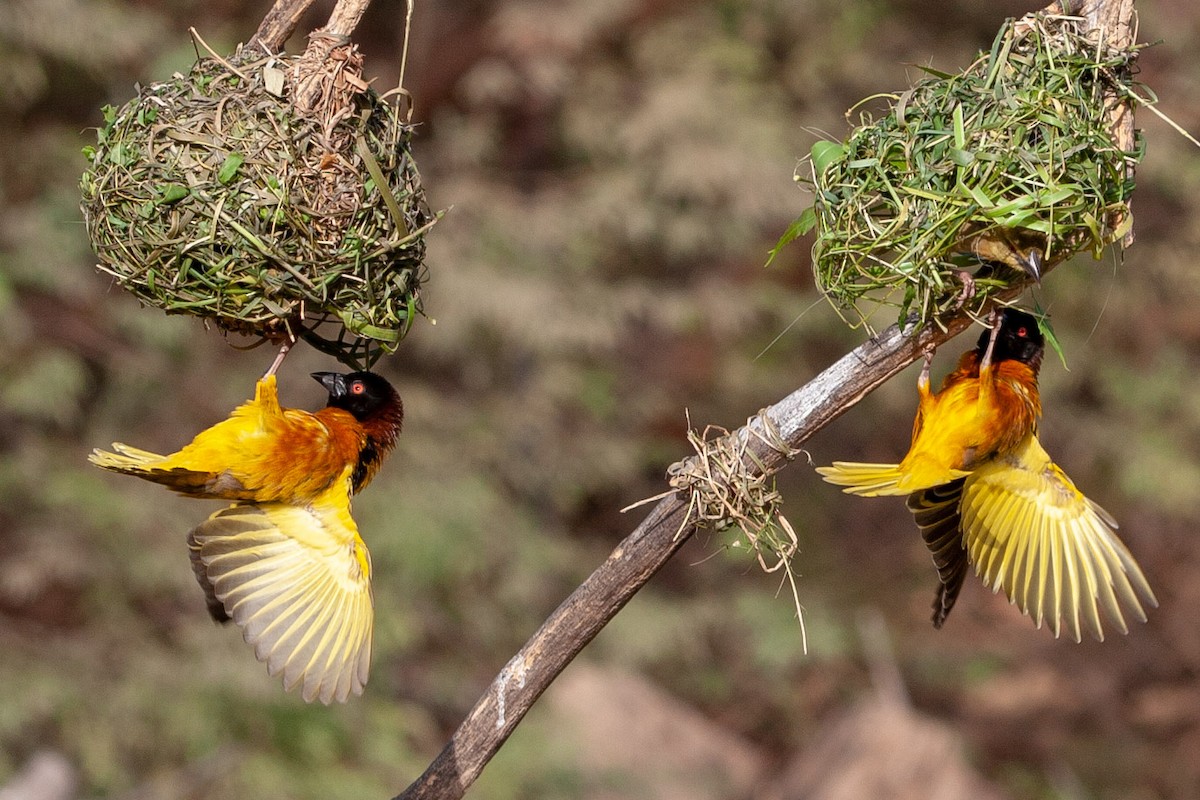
1017	143
222	195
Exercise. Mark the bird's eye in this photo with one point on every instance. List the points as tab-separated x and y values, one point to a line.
358	387
1022	332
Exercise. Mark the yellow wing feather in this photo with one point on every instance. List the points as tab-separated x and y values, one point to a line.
297	581
1029	530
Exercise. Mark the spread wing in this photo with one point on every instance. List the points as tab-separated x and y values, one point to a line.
937	515
296	580
1029	530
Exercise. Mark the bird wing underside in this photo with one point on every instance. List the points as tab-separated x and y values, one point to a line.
297	582
1055	553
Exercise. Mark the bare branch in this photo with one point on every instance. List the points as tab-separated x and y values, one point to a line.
281	21
1113	23
636	559
345	17
279	24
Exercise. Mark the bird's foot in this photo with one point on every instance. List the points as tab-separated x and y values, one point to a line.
994	321
967	292
923	379
283	351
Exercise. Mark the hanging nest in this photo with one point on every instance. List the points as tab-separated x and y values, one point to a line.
1013	152
267	195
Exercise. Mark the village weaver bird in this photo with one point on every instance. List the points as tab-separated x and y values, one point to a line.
285	562
985	493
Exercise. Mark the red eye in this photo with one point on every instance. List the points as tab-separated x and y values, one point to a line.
358	387
1022	332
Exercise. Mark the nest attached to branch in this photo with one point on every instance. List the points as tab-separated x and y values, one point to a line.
267	195
1017	145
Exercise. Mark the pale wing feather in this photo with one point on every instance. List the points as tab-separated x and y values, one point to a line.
1038	570
1029	530
293	579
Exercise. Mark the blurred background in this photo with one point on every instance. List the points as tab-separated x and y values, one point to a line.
615	173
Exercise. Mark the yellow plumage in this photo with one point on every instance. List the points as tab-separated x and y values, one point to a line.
1025	528
984	492
1028	529
286	562
260	453
297	581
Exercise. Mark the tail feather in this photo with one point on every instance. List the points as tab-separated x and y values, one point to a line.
159	469
865	480
126	459
884	480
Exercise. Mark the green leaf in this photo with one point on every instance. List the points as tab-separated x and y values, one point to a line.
825	153
1061	194
173	193
229	170
980	198
962	158
937	73
119	155
1043	322
800	226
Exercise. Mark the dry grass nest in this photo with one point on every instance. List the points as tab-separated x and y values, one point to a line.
274	196
1017	145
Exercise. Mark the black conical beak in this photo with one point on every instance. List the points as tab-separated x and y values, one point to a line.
334	383
1031	262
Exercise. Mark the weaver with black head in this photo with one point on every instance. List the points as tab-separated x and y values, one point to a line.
985	493
286	562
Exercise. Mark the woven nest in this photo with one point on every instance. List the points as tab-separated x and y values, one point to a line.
268	196
1016	147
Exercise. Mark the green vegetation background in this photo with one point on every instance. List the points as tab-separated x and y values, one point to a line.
617	171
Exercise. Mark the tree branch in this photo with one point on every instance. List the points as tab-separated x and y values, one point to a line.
279	24
281	21
1113	24
640	555
636	559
